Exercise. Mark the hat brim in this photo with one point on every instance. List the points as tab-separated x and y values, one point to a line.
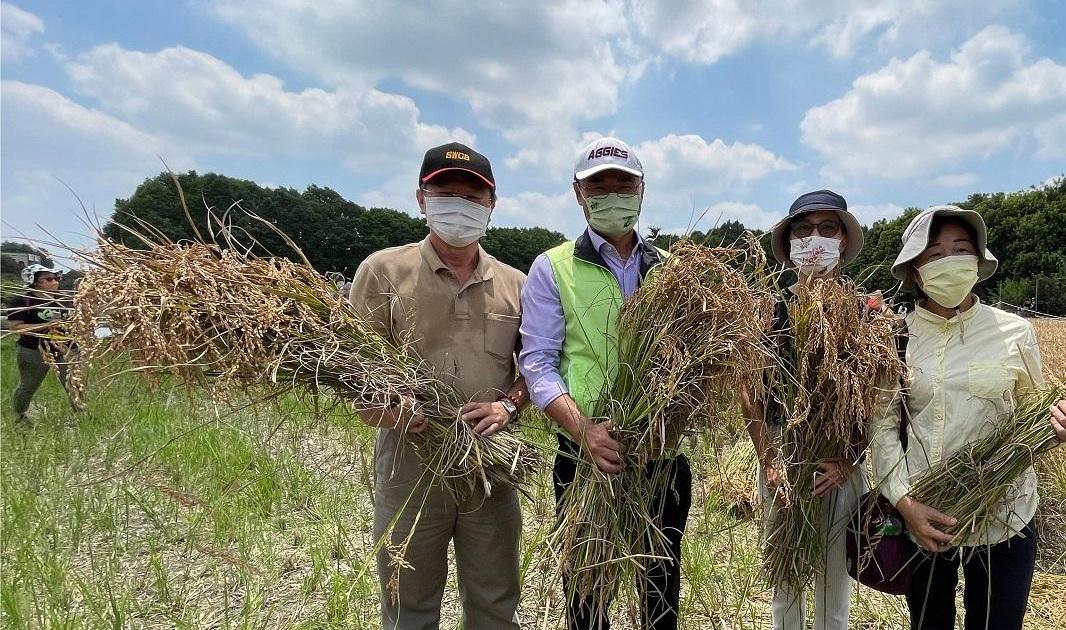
430	176
589	172
916	239
780	235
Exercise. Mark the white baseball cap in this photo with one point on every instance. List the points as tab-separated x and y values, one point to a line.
607	153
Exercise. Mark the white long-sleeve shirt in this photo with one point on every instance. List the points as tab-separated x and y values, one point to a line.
964	375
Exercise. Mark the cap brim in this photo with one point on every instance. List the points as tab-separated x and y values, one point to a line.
918	240
456	168
589	172
779	234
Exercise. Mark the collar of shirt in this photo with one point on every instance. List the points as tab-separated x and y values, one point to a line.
483	270
600	243
964	316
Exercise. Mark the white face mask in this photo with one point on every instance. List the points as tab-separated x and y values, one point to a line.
457	221
815	255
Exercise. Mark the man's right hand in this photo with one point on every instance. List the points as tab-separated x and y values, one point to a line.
921	522
603	449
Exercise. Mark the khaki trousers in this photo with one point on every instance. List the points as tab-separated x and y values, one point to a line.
484	530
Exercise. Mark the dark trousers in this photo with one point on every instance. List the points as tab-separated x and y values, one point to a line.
660	587
998	578
32	371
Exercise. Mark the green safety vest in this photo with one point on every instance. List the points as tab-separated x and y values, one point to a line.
591	298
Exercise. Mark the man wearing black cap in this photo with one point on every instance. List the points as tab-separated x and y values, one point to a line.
816	239
460	308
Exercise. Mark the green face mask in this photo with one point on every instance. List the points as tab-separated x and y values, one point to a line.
613	214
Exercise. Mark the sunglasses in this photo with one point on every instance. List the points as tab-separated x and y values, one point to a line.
803	229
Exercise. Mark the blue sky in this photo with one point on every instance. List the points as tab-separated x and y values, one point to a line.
734	107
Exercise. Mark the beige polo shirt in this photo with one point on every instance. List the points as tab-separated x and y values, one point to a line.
468	333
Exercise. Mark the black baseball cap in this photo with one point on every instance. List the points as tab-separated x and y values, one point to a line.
455	156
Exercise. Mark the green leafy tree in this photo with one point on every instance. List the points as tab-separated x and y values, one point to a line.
334	233
518	247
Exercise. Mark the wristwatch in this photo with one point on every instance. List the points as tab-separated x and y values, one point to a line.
512	409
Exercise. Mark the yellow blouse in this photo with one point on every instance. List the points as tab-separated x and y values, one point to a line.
964	375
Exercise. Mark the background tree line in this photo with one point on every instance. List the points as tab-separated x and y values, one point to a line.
334	233
1027	232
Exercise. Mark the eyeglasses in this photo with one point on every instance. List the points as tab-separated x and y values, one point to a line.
596	190
803	229
47	278
482	198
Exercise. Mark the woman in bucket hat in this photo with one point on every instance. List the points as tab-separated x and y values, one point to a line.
816	239
967	360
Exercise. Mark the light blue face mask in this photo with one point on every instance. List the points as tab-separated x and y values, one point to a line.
613	214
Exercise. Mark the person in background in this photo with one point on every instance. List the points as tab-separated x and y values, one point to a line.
460	307
817	238
967	362
32	313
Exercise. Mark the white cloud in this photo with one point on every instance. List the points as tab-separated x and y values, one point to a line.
50	140
1051	135
558	211
17	28
868	213
955	180
704	31
513	63
688	163
199	102
923	117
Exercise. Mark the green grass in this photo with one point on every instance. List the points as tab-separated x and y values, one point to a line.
152	511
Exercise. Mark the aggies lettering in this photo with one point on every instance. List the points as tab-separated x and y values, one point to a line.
608	152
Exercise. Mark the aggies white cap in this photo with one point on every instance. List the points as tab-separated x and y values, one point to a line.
607	153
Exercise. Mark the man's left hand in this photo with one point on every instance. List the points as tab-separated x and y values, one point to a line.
489	416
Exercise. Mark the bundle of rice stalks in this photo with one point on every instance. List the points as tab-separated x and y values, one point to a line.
687	338
222	319
972	484
838	352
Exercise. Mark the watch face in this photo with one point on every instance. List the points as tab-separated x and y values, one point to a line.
509	405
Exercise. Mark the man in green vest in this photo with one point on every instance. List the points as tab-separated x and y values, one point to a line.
570	304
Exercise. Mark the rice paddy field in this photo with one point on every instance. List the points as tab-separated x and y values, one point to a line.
151	510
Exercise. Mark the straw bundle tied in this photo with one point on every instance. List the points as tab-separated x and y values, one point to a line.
840	351
223	319
975	482
686	338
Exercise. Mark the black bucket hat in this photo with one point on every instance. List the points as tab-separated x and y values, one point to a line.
813	202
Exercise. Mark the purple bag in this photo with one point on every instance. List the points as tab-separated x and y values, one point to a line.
879	550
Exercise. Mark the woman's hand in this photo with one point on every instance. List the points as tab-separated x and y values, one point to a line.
921	522
831	474
776	484
1058	419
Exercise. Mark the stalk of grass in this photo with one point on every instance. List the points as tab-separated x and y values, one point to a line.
687	338
223	320
973	483
841	350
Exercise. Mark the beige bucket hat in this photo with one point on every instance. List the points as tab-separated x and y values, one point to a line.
916	239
